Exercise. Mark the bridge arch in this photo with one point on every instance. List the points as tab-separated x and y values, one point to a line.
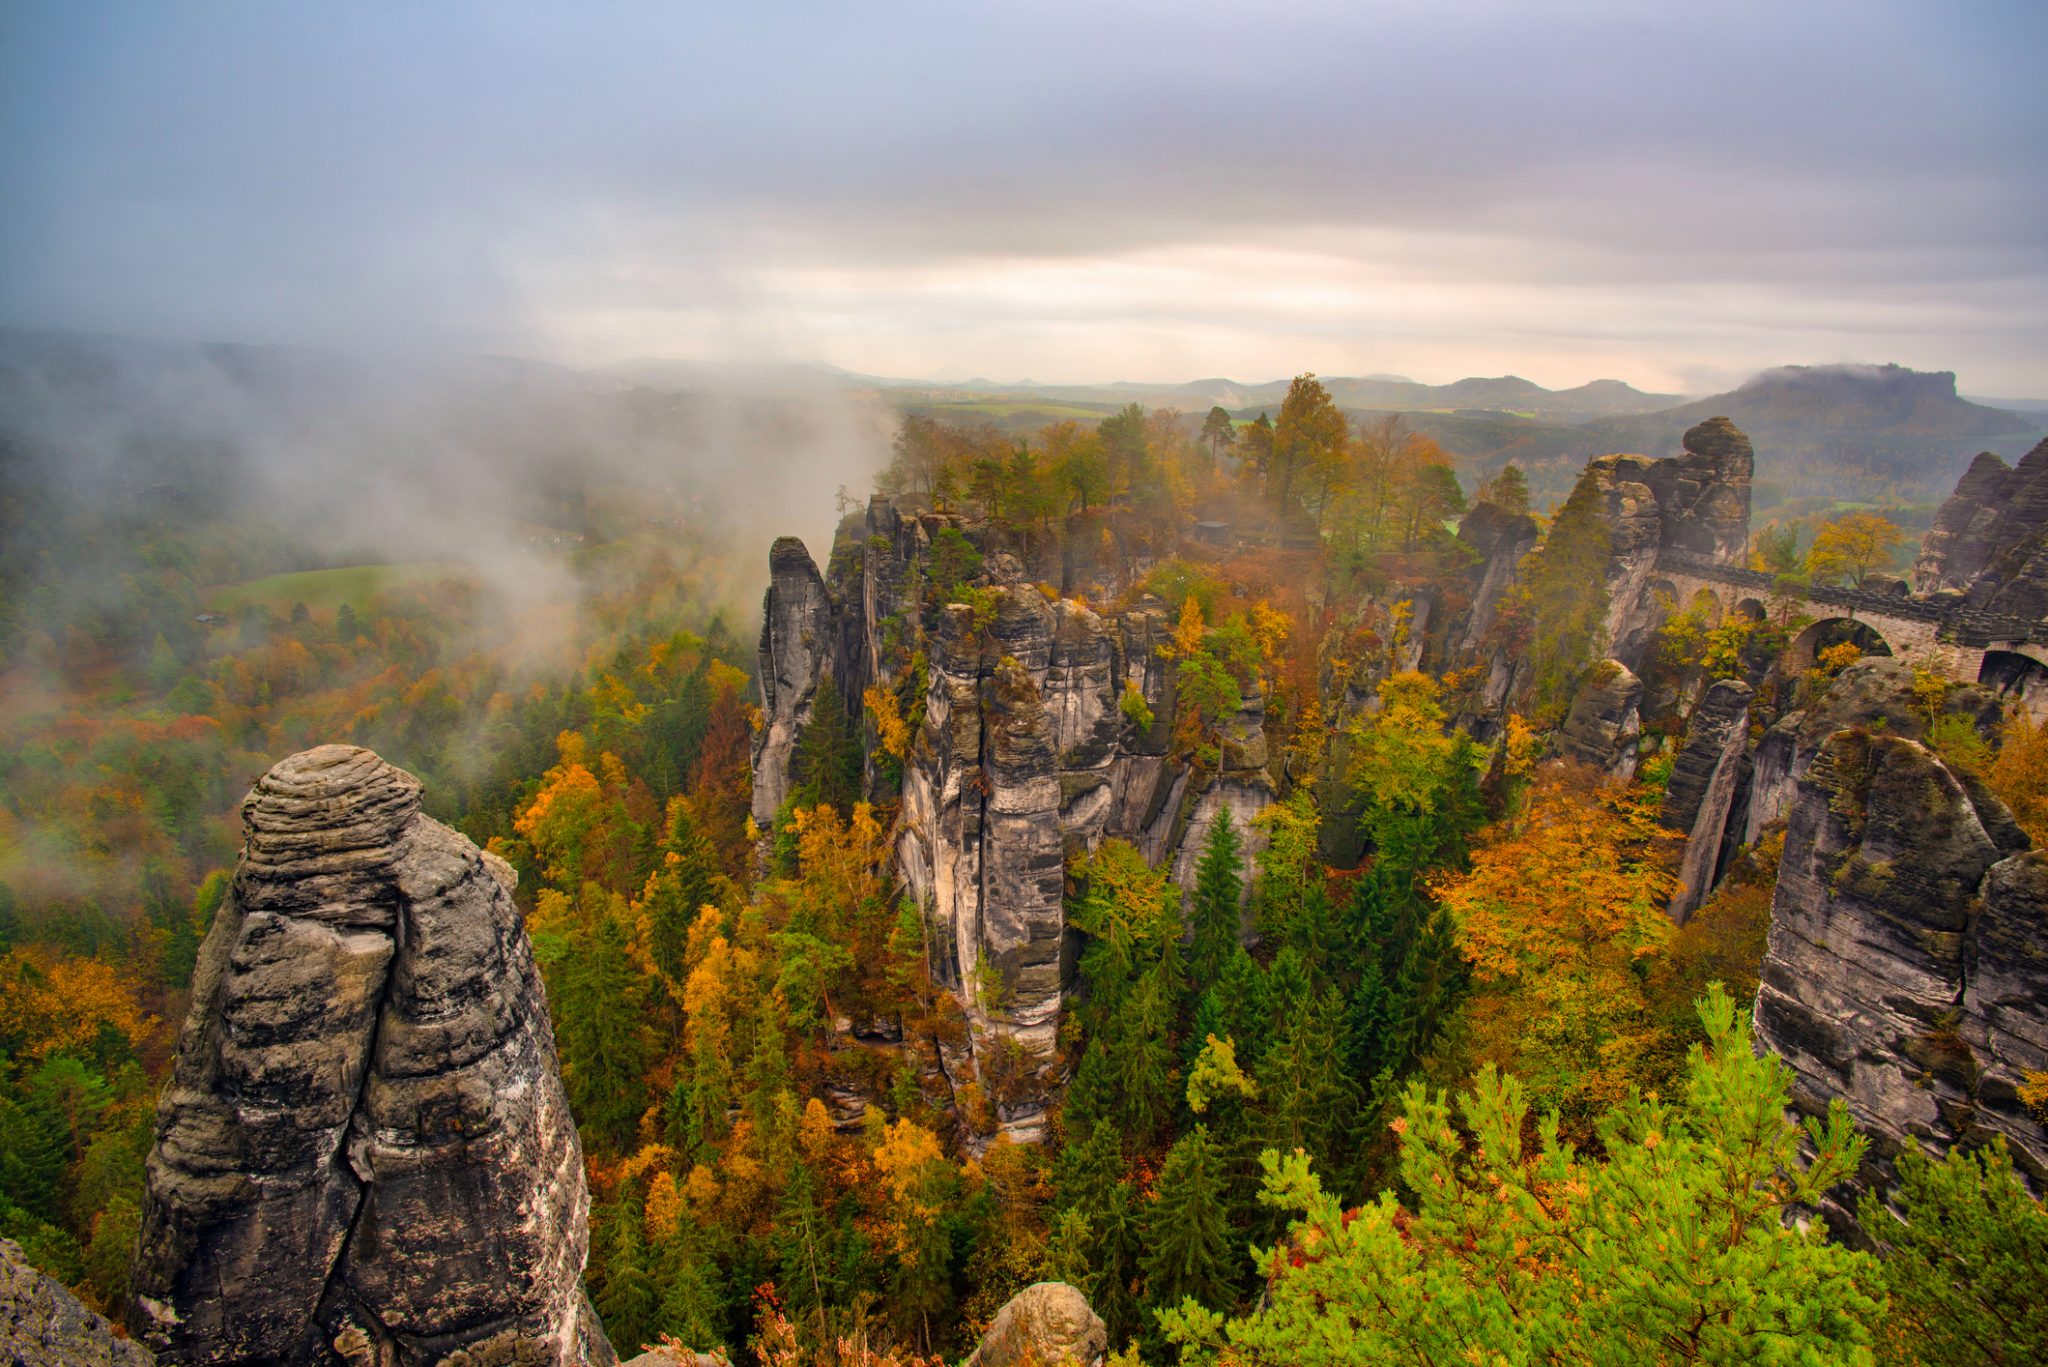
1804	652
1751	608
2018	672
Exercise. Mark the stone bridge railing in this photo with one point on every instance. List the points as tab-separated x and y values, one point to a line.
1953	622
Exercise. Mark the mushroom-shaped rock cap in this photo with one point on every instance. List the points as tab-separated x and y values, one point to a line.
1718	438
336	810
330	787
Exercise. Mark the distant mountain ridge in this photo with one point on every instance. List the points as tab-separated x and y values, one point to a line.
1817	429
1505	394
1852	398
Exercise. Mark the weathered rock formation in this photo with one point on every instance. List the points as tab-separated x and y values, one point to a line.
1694	504
1024	756
1498	539
1602	726
1708	774
364	1153
799	649
1043	1325
43	1325
1876	694
1905	972
1994	508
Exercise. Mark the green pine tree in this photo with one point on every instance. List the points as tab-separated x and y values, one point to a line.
692	1308
1187	1228
601	1026
825	766
1967	1267
1303	1091
1219	891
627	1300
1563	595
681	889
1666	1242
1112	1284
1236	1006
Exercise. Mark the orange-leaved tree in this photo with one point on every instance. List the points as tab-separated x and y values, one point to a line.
1557	915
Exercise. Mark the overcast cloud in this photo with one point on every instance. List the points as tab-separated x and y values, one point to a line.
1674	195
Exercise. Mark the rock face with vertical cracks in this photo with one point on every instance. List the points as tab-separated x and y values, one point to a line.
1705	779
1693	504
364	1154
1905	973
799	647
1025	755
1603	725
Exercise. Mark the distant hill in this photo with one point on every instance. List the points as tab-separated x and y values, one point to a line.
1811	400
1506	394
1842	431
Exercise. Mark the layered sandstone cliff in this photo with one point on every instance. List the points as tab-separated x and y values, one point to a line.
1692	505
1986	540
364	1154
1025	755
1905	972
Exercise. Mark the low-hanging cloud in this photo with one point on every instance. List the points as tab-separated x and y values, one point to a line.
1578	186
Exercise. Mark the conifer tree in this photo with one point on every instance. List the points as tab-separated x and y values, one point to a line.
627	1299
1219	890
1967	1266
1236	1006
1088	1167
1303	1091
804	1273
1670	1244
684	885
601	1025
692	1307
1117	1234
1562	601
825	766
1139	1046
1187	1229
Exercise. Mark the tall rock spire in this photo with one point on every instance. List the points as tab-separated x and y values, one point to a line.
364	1154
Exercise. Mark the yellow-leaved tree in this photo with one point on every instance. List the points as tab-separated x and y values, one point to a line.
1852	547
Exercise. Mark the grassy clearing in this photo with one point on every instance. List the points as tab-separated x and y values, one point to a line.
997	408
323	591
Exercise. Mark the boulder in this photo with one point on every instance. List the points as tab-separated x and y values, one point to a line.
364	1153
1047	1325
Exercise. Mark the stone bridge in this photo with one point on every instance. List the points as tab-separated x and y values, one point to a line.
1939	632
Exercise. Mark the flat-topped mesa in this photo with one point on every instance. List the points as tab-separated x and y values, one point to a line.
364	1153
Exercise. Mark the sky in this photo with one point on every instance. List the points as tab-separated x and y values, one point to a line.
1673	195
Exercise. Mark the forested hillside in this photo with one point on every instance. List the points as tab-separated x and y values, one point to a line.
1214	864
